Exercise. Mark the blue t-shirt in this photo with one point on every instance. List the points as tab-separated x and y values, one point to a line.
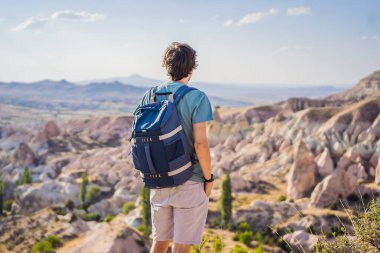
194	107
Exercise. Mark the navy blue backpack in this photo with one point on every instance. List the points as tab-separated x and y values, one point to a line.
159	146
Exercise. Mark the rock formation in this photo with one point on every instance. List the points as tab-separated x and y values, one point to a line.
302	173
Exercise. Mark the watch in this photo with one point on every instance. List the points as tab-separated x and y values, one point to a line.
209	180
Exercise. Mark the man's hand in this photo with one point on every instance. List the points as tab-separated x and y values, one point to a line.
208	188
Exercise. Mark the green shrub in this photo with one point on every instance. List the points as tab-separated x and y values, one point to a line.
143	230
226	202
259	249
69	204
246	237
83	190
90	217
127	207
217	245
366	236
281	198
239	249
42	247
8	204
27	176
93	195
108	218
54	240
1	196
146	208
244	226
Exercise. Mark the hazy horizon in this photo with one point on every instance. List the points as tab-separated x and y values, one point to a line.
135	75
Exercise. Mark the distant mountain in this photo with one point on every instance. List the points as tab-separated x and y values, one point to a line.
50	94
238	94
134	79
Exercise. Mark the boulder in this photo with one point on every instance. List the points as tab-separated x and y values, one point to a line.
326	192
325	165
302	173
301	241
338	185
243	182
34	197
262	214
108	237
23	155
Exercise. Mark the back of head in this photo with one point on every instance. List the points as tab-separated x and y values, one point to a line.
179	60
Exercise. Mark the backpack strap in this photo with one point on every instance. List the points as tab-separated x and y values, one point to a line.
152	94
181	92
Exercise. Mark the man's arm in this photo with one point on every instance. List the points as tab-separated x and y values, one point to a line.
203	152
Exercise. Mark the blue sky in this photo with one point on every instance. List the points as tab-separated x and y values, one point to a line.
312	42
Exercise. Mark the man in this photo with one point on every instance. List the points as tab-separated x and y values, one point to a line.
179	213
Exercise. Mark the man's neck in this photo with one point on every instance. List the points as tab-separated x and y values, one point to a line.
180	81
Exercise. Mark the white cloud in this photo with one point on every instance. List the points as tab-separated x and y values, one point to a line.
251	18
82	15
371	37
35	23
299	11
256	17
228	23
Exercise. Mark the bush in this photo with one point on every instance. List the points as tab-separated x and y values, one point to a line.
217	246
69	204
259	250
239	249
366	236
8	205
108	218
246	237
54	240
83	189
244	226
281	198
146	208
27	176
93	195
127	207
42	247
1	196
143	230
226	202
90	217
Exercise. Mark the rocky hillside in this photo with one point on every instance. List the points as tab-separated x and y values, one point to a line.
365	87
291	163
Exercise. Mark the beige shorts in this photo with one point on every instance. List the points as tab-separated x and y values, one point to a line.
179	213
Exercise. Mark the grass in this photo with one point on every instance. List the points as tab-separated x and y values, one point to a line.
366	237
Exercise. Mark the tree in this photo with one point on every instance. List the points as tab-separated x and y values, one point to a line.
1	196
145	210
83	189
226	202
27	176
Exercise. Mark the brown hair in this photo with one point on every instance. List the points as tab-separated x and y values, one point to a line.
179	60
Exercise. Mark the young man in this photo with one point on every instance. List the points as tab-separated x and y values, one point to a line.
179	213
